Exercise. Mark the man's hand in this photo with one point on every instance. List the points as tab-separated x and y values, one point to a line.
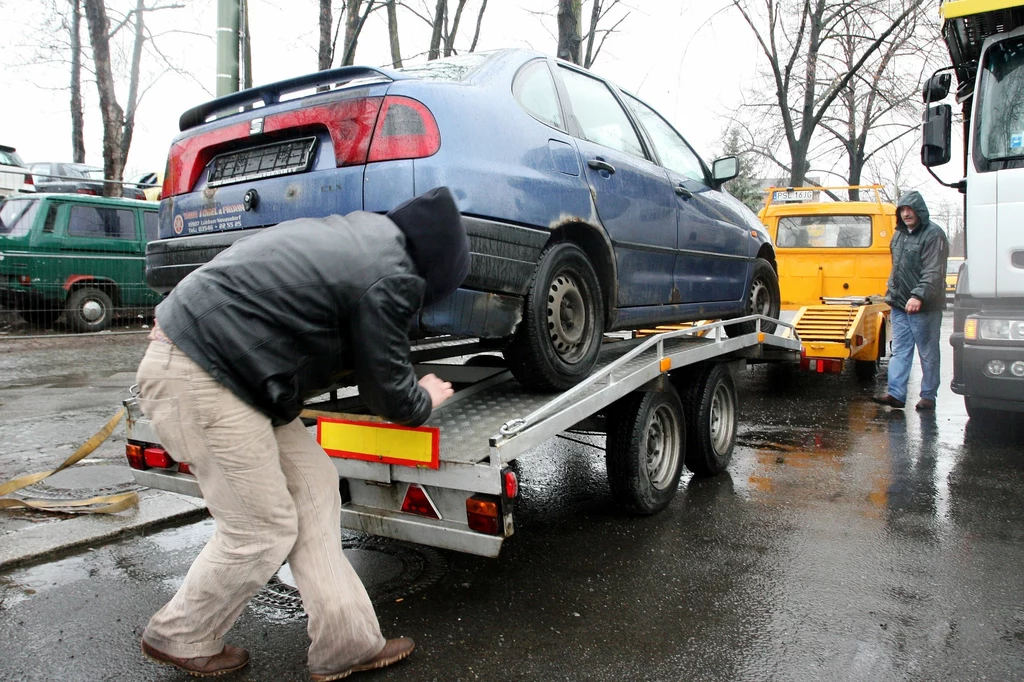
913	305
439	390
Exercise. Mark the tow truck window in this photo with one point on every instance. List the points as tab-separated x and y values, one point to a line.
824	232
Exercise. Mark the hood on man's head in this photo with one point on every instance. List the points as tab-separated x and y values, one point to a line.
436	240
914	200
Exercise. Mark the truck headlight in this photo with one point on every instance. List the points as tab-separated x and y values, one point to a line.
1001	330
1017	369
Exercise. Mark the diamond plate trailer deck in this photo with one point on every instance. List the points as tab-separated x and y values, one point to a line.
493	420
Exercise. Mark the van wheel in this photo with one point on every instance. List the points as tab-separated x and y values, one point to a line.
646	442
556	344
762	299
712	415
89	310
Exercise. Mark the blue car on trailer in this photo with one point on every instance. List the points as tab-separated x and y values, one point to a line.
587	211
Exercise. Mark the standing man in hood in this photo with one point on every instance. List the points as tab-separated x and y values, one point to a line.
238	346
917	296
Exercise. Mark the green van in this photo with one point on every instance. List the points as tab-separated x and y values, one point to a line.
80	255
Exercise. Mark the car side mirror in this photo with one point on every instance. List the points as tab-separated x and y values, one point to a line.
935	135
725	169
936	88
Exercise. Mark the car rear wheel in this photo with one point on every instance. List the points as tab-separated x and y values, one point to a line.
89	310
557	343
763	298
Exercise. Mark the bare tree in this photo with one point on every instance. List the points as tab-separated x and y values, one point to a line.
396	50
570	29
77	112
569	39
797	39
353	17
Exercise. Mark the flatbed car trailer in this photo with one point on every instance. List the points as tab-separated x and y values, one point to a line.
841	329
664	401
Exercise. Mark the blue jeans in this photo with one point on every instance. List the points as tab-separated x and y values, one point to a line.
921	330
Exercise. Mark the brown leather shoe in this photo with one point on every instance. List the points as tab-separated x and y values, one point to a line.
394	650
229	660
889	401
925	404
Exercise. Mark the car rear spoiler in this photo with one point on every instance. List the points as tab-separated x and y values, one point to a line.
272	92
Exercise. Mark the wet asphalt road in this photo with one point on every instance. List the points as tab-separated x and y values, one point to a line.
846	542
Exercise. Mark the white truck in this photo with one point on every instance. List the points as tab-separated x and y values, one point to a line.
986	46
664	400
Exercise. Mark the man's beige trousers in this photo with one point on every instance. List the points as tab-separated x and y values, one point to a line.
274	496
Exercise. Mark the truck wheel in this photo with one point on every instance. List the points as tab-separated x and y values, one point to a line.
712	412
866	369
646	440
762	299
89	310
556	344
979	414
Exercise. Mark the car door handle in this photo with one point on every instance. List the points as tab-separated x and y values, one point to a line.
683	192
601	165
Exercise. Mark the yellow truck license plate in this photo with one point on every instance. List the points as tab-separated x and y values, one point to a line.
377	442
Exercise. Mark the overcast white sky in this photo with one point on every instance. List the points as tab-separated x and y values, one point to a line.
687	58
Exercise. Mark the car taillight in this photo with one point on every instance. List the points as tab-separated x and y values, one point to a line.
405	130
29	181
184	468
83	190
136	458
156	456
483	512
349	122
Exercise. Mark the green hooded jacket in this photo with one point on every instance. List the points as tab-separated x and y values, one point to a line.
918	259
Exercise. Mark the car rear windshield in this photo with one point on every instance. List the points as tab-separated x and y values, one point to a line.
10	159
449	68
16	216
824	231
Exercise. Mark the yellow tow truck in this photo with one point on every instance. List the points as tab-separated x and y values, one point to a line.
833	262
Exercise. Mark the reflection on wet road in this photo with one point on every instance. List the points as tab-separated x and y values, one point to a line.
846	542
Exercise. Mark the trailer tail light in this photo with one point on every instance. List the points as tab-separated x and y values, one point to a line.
136	458
405	130
821	365
418	502
484	514
511	484
157	457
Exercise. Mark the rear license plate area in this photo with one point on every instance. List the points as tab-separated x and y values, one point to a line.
264	161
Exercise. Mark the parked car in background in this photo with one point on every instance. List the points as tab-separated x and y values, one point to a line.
76	255
76	178
14	176
952	275
150	183
587	211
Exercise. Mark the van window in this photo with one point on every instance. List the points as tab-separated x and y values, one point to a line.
51	218
151	225
824	231
17	216
100	221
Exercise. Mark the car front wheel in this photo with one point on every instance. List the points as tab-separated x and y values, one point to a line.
89	310
557	343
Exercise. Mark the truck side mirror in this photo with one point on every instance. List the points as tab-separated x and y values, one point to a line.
935	134
936	88
725	169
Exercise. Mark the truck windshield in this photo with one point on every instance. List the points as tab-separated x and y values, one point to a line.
999	121
16	216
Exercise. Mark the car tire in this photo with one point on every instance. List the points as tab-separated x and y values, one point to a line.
89	310
712	416
763	298
557	343
646	446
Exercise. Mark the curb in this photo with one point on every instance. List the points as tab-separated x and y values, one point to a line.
37	542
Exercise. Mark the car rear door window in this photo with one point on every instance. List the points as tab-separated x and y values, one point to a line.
675	154
601	118
151	224
824	232
100	221
534	89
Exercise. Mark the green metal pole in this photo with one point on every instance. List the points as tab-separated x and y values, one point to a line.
227	47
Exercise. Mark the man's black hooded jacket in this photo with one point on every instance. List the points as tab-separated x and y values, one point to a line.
918	259
278	316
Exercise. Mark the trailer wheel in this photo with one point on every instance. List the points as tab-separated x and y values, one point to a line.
556	344
89	310
866	369
712	415
646	442
762	299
